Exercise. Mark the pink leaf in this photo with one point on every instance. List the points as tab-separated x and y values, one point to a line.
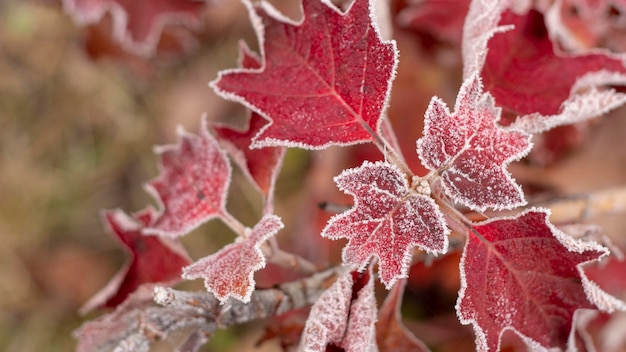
521	65
230	271
137	25
153	259
193	183
261	166
344	316
524	275
470	151
387	220
324	81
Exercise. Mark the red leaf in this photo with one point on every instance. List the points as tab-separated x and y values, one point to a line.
344	316
521	66
324	81
137	25
261	166
387	220
524	275
470	151
230	271
391	334
608	278
153	259
193	183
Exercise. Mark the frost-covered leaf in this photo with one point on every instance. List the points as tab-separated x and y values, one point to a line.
387	220
608	279
137	25
230	271
261	166
324	81
193	183
524	275
391	334
470	151
344	316
152	259
521	65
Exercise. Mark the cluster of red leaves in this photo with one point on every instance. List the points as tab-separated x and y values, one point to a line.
325	81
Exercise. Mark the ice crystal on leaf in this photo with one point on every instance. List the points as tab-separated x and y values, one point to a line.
470	151
153	259
230	271
387	220
324	81
136	25
193	183
524	275
344	316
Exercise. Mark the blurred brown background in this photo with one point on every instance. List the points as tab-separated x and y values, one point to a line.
76	136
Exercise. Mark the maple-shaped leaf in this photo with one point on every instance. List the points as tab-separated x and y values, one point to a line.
528	79
524	275
470	151
230	271
153	259
343	317
387	220
391	334
261	166
193	183
324	81
137	25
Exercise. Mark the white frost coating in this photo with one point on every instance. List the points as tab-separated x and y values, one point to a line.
480	25
603	300
591	102
259	28
327	320
162	296
236	261
363	246
382	18
361	332
570	243
160	149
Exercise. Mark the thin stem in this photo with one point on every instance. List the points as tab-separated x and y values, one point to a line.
389	151
233	223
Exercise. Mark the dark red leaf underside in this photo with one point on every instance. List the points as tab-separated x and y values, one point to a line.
470	151
324	81
524	74
137	25
522	274
387	220
230	271
152	259
193	183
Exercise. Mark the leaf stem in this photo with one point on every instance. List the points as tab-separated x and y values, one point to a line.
233	223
